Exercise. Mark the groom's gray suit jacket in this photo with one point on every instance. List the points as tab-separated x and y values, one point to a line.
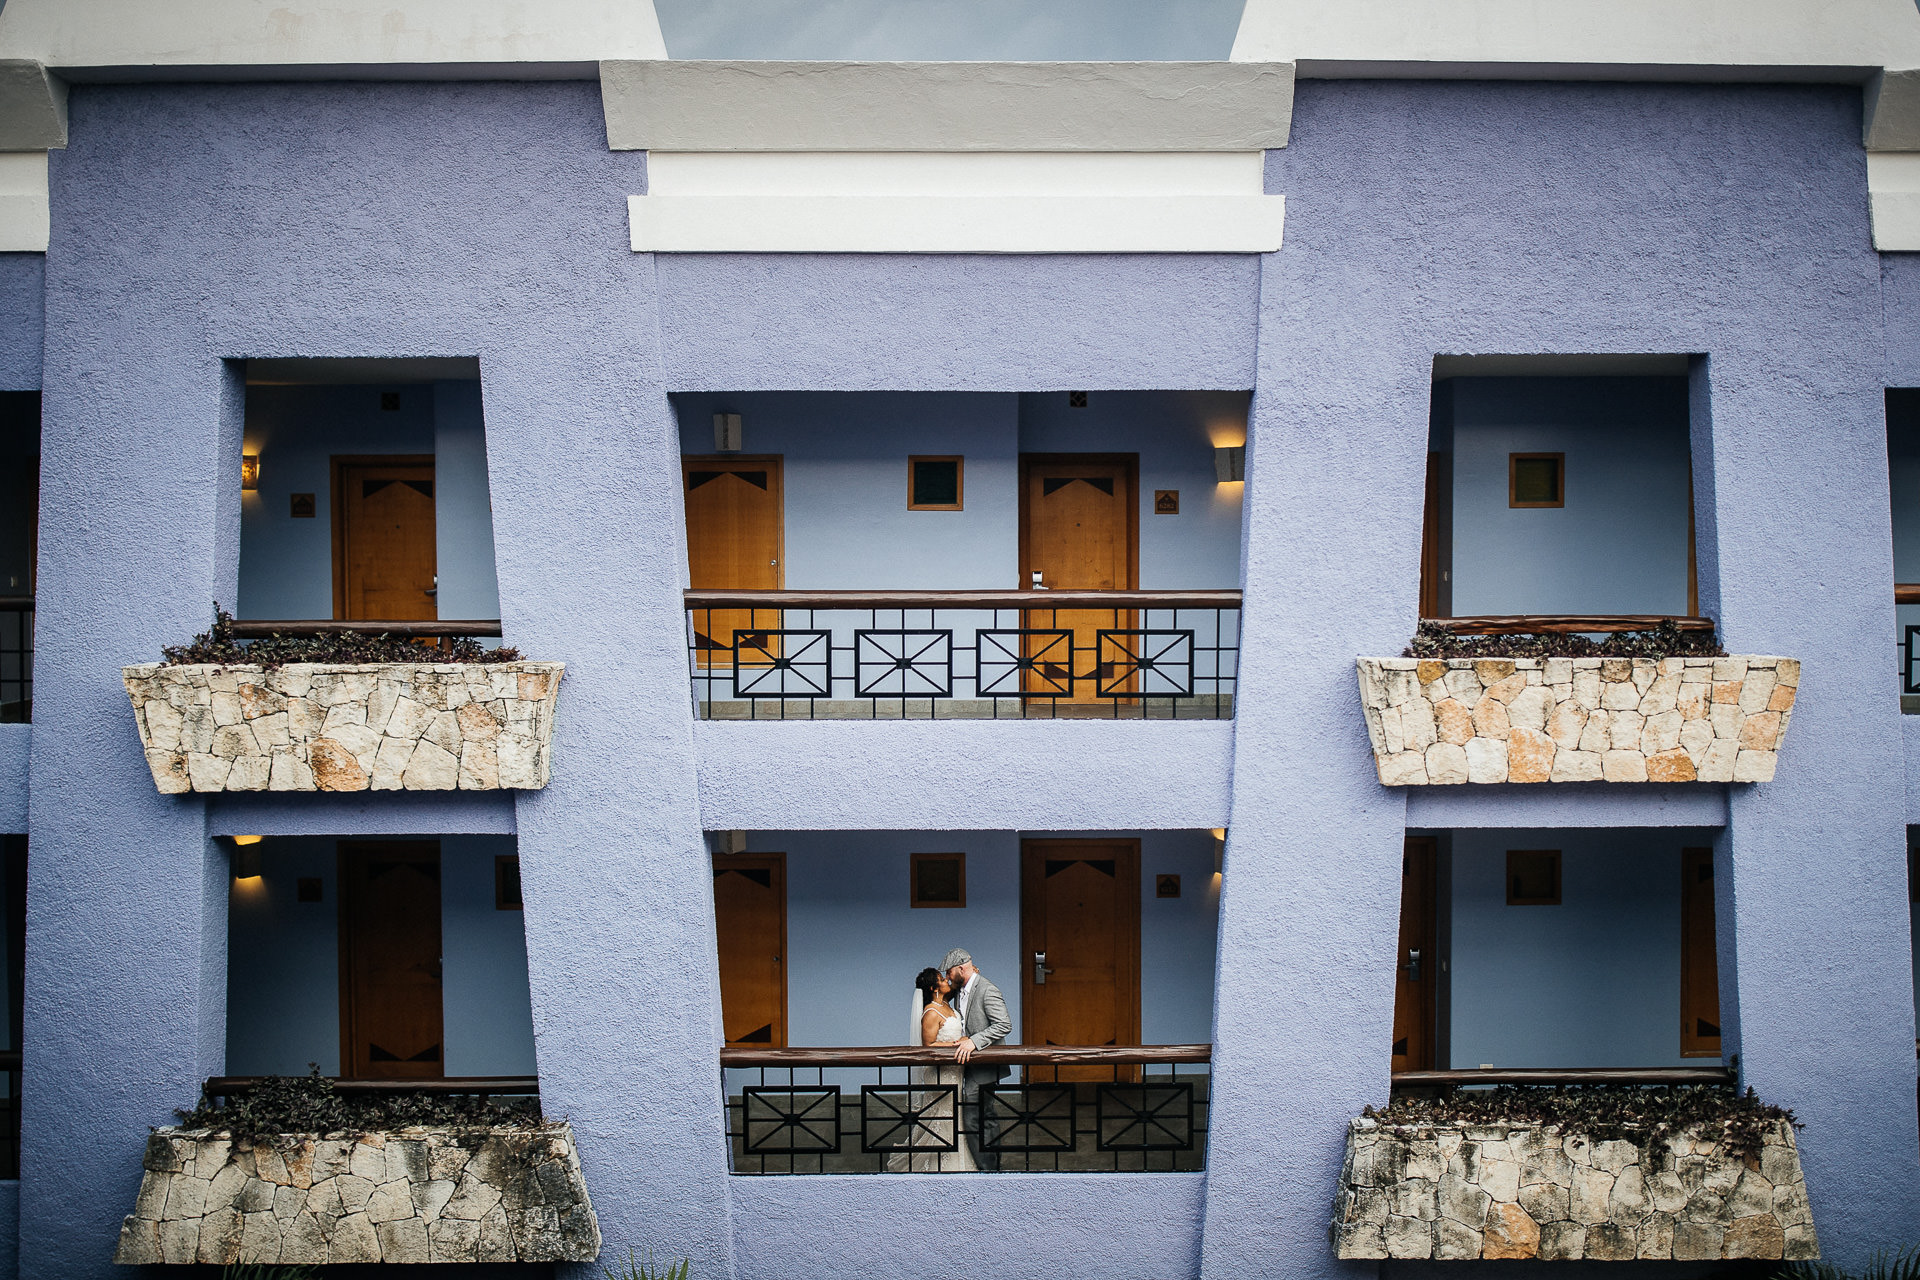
986	1023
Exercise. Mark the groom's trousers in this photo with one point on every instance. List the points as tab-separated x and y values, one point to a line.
980	1120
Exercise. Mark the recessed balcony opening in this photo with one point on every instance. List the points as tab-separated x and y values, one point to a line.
1102	948
364	493
1559	487
1903	474
19	549
379	959
1545	952
963	554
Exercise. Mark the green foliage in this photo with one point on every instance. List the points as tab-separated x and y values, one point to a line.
1604	1113
645	1270
256	1271
310	1104
219	646
1664	641
1904	1265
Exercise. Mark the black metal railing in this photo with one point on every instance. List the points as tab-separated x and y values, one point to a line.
1448	1080
16	659
1058	1109
779	655
463	1086
429	629
1909	667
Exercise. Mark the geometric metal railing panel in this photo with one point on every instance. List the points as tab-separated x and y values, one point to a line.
1909	668
903	664
917	1117
794	1120
1035	1117
1156	663
781	663
1146	1117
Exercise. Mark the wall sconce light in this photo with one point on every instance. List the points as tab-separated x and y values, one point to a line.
1230	463
1219	850
729	841
726	432
249	471
246	857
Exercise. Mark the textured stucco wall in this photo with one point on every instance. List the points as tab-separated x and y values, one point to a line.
22	293
16	741
1502	218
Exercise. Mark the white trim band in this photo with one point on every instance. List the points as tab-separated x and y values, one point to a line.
25	212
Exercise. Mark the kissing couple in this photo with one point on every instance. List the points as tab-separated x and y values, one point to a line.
955	1004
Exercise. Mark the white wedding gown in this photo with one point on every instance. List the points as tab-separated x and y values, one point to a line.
957	1161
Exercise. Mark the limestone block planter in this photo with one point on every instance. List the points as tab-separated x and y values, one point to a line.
402	726
1532	1191
503	1194
1441	721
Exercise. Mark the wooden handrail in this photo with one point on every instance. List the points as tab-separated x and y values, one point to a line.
9	1059
1560	1075
1906	593
1012	1055
1561	623
736	599
258	629
16	602
228	1086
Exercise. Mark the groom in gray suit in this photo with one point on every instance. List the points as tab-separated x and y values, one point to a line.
983	1015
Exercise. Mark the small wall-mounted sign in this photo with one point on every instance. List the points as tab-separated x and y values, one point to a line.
307	889
1166	886
301	506
1166	502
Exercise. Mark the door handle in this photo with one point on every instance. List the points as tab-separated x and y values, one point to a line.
1040	970
1037	584
434	590
1412	966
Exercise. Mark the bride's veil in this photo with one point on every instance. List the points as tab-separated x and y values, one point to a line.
919	1012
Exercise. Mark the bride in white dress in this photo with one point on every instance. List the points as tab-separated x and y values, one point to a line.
937	1023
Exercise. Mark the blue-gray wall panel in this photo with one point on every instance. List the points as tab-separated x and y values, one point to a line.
23	280
16	742
1450	218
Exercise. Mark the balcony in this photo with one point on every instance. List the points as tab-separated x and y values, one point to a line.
981	655
1059	1109
946	555
16	659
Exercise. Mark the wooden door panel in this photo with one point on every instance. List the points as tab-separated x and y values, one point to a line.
1417	971
1699	962
1080	905
750	917
1079	528
384	553
735	540
391	1019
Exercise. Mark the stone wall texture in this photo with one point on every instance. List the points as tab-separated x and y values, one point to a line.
1441	721
471	726
1526	1191
413	1195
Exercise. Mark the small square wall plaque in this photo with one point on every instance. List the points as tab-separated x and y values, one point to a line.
1166	502
1166	886
301	506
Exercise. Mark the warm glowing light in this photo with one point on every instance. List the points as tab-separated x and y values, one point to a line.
248	839
1227	433
1219	833
249	471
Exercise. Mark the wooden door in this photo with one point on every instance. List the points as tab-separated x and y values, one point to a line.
750	916
736	521
1080	909
384	558
1080	530
1417	972
390	1011
1699	963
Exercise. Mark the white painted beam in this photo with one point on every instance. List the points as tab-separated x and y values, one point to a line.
33	107
946	106
921	202
25	216
1893	192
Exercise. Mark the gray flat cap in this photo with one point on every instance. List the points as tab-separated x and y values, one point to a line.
954	957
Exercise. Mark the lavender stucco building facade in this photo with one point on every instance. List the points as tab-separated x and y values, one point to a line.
1383	266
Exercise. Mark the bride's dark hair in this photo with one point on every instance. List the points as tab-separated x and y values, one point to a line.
929	984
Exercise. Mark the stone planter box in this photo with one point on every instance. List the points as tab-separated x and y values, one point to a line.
471	726
1527	1191
1441	721
508	1194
